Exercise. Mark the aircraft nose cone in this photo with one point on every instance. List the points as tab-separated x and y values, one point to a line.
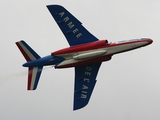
148	40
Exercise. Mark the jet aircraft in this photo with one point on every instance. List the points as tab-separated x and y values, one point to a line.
85	54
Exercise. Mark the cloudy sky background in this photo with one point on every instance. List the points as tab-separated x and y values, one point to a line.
127	86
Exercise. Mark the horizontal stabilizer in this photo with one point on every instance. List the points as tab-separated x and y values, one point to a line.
27	51
33	77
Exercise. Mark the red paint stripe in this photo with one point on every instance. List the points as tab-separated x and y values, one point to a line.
30	71
92	46
82	47
23	52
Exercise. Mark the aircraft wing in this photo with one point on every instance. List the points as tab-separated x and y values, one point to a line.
71	27
85	79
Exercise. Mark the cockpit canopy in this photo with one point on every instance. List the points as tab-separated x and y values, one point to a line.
107	41
131	40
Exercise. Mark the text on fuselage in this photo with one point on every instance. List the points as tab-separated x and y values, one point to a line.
70	25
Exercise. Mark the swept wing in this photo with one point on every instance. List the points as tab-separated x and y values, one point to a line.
85	80
71	27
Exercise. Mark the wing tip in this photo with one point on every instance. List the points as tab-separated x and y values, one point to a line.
53	5
76	107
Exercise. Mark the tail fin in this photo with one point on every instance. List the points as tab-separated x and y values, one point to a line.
33	72
27	51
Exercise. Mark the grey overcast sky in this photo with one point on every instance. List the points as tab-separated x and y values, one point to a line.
127	86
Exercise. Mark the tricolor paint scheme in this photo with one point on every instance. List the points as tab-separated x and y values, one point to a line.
85	54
